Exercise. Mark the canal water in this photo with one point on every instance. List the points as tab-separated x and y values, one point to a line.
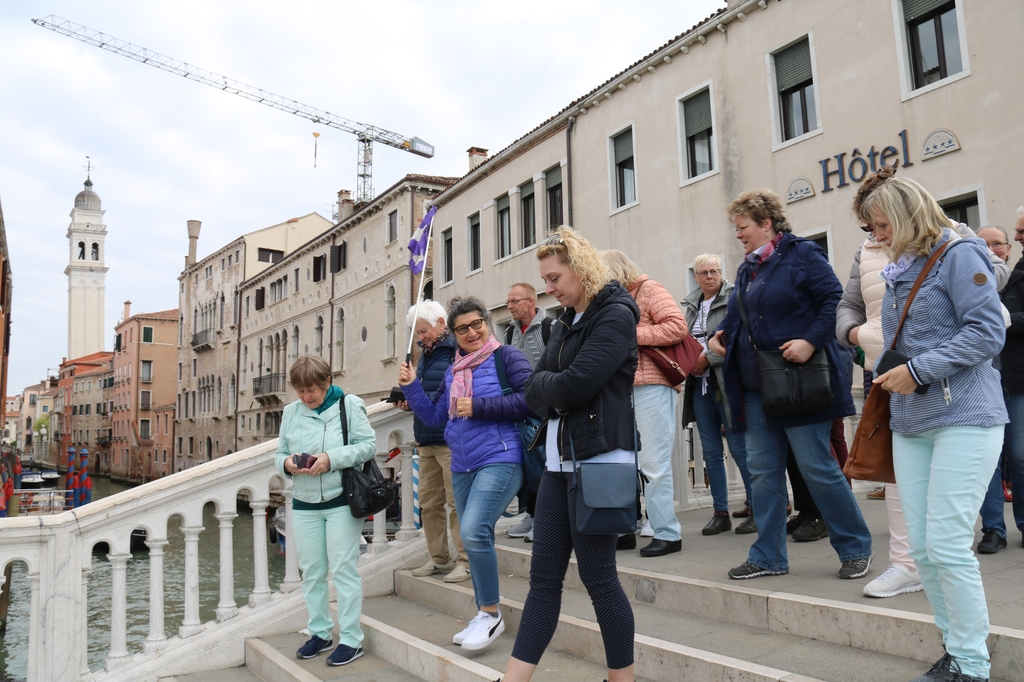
14	643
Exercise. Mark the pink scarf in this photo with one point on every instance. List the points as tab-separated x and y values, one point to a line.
462	373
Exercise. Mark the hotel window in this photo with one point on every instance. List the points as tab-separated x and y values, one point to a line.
503	237
934	40
795	84
392	226
964	210
527	211
625	171
447	256
699	133
553	181
473	243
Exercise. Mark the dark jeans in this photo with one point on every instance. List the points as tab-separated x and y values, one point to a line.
555	537
802	500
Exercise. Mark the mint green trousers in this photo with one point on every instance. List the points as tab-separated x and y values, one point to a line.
328	539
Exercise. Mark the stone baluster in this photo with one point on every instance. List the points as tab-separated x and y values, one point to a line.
380	521
191	625
118	655
408	530
227	608
156	639
291	556
261	586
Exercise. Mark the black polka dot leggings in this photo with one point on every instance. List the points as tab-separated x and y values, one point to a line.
554	538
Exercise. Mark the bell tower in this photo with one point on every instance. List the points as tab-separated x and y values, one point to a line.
86	274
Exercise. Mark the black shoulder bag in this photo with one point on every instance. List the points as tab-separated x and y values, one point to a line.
366	489
789	388
534	456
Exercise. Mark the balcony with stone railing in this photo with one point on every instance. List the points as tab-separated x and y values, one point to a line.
57	550
202	340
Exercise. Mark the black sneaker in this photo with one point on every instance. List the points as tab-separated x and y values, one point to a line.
857	568
810	530
313	646
748	526
344	655
991	542
627	541
793	523
751	570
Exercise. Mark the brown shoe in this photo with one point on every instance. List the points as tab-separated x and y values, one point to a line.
742	513
877	494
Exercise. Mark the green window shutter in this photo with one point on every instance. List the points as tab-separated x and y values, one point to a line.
526	190
554	177
918	8
697	113
793	65
623	143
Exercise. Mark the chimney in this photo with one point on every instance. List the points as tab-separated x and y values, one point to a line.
477	155
345	204
128	309
193	237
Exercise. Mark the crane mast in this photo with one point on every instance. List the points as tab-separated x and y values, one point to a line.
366	134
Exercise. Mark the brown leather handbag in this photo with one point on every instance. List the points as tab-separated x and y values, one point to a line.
871	455
675	362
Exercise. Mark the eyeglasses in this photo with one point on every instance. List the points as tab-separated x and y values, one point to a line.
476	325
995	244
513	301
707	273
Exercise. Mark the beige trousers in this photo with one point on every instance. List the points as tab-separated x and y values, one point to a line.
434	491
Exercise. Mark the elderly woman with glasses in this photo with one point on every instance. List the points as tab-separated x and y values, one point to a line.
486	448
704	401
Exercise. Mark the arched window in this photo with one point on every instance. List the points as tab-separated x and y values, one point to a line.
81	250
209	448
95	251
339	340
389	329
245	362
259	360
295	340
231	395
221	325
318	337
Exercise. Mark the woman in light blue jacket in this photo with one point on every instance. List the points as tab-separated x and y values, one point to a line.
947	438
323	530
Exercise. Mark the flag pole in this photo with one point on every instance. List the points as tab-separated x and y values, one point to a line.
419	293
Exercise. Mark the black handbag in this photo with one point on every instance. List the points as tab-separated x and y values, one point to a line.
366	489
789	388
606	493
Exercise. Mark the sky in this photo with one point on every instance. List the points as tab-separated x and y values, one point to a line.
454	73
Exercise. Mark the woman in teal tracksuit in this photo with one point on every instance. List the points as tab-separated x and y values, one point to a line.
323	530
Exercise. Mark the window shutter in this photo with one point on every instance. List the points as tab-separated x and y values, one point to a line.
502	202
793	65
697	113
260	294
913	9
526	190
344	255
623	143
147	335
554	177
317	275
335	259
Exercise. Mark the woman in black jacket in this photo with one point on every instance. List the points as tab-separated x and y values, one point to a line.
583	386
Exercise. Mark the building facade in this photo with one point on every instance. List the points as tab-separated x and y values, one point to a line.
343	296
162	463
86	274
12	420
209	304
145	362
801	97
80	415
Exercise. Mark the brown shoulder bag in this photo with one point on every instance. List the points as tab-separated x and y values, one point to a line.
871	455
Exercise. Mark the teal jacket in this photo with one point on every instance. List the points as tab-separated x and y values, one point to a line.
303	430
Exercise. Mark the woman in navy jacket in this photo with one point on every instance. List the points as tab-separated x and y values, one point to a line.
487	450
790	294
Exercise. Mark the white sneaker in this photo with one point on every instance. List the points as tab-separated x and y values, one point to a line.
481	631
522	528
430	568
528	538
459	574
894	580
647	531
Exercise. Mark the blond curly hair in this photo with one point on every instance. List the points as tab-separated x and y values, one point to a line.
760	205
581	257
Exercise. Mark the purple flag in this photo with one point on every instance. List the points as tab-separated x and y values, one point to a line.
420	243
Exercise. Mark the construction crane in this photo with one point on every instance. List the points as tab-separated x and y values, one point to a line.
365	133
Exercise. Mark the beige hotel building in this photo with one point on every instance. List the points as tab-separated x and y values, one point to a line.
803	97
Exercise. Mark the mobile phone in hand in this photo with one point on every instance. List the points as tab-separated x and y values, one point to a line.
304	461
890	360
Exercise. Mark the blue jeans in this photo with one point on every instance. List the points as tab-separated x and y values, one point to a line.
655	407
993	509
766	459
480	498
709	414
942	475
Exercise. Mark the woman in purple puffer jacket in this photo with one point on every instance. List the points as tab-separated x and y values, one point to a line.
487	450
